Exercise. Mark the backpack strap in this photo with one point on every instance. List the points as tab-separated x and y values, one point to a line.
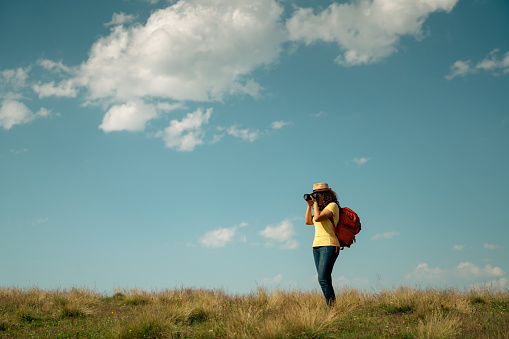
334	225
335	236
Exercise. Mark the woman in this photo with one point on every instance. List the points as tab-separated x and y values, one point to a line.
325	243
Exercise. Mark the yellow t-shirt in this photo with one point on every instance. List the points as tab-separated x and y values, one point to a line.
324	230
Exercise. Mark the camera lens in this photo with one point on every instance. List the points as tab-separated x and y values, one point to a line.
307	197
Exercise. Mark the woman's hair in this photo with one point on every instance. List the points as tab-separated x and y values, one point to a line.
328	197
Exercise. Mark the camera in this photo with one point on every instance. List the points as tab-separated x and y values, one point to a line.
307	197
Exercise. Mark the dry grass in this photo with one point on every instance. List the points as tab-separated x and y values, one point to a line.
195	313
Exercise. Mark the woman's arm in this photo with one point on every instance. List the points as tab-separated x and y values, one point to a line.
308	219
323	215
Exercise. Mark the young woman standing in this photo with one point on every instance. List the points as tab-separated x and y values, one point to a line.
325	244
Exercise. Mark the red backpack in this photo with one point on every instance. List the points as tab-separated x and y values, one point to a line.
348	226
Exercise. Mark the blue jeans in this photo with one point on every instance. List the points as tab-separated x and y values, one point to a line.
325	257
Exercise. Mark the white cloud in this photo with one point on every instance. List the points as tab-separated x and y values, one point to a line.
468	269
14	78
492	246
458	247
192	50
281	234
12	110
272	281
120	19
57	67
221	236
11	96
218	238
63	89
491	63
459	68
280	124
131	116
495	64
14	113
244	134
167	107
424	272
361	161
43	113
186	134
385	235
366	31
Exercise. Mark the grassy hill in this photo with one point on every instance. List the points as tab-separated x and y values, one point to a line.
196	313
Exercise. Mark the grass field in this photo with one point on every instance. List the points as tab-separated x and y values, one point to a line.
197	313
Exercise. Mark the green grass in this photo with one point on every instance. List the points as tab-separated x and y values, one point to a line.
196	313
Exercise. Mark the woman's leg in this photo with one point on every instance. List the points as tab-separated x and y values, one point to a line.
325	257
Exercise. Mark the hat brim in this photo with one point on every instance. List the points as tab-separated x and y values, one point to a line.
321	190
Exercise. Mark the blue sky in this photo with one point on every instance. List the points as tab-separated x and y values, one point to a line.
161	144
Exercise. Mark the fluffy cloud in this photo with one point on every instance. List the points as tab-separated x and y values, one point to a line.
281	234
63	89
221	236
367	31
460	68
458	247
218	238
468	269
192	50
14	78
56	67
14	113
244	134
120	19
12	110
186	134
167	107
491	63
131	116
426	273
280	124
385	235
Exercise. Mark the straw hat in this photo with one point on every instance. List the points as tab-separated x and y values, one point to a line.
320	187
